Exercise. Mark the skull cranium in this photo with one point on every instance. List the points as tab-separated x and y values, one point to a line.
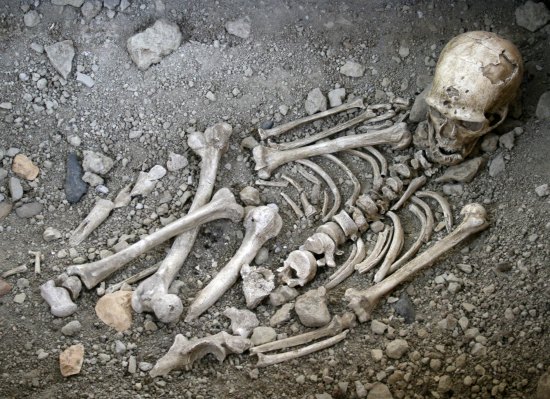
476	78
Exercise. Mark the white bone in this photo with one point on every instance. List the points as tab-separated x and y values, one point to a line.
308	176
330	183
268	159
309	210
443	203
147	181
268	360
367	205
58	298
379	250
334	231
429	217
71	283
243	321
377	180
123	198
293	205
413	187
356	185
321	243
394	250
258	282
15	270
347	224
37	257
364	302
260	182
388	193
152	294
395	183
183	352
261	224
133	279
348	267
222	206
97	215
383	163
299	268
336	326
276	131
359	219
324	208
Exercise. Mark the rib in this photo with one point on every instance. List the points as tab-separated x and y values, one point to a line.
443	203
413	187
356	185
394	250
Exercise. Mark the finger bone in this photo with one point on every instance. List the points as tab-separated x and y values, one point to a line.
299	268
394	250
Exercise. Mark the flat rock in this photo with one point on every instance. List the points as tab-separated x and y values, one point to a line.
71	359
497	166
31	18
23	167
532	16
315	102
243	321
5	287
16	189
397	348
379	391
282	295
97	163
352	69
91	8
75	187
336	97
239	28
115	310
312	309
5	209
282	315
51	234
419	109
61	56
71	328
86	80
463	172
29	210
543	106
148	47
111	4
262	335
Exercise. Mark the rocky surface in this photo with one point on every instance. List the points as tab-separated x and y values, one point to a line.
476	324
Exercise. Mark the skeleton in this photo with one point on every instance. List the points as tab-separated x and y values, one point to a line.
476	78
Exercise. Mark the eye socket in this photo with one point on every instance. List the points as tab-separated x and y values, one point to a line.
472	126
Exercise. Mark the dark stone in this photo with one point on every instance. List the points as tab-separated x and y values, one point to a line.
75	187
405	308
266	125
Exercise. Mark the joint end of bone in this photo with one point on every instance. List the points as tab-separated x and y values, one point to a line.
58	298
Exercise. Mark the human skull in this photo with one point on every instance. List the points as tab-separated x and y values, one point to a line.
476	78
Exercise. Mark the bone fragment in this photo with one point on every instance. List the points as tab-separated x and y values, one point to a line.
97	215
394	250
183	352
243	321
276	131
261	224
356	185
429	217
402	169
123	197
147	181
417	244
324	208
395	183
443	203
37	257
383	163
348	267
379	250
367	205
308	176
388	193
15	270
365	116
268	360
377	180
347	224
336	326
413	187
330	183
309	210
299	268
258	282
359	219
152	294
364	302
133	279
58	298
222	206
321	243
334	231
268	159
293	205
70	283
268	183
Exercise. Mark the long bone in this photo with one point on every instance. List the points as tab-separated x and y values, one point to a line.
364	302
276	131
368	115
222	206
293	205
417	244
267	159
380	248
443	203
377	180
152	294
394	250
133	279
261	224
383	163
429	216
356	185
413	187
336	326
330	183
348	267
97	215
268	360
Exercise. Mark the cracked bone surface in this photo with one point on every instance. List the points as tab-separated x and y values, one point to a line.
261	224
443	203
395	248
268	360
336	326
258	282
268	159
321	243
152	294
364	302
183	352
222	206
299	268
97	215
58	298
276	131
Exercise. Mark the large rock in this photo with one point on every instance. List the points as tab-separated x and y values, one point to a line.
463	172
312	308
543	106
315	102
61	56
71	359
115	310
148	47
532	16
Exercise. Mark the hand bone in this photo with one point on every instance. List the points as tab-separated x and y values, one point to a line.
364	302
222	206
267	159
261	224
210	146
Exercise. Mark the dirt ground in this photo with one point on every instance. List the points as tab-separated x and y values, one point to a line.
293	47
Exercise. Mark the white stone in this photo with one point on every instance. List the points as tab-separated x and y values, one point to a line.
31	18
239	28
315	102
61	56
86	80
352	69
532	16
336	97
176	162
397	348
542	190
97	163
